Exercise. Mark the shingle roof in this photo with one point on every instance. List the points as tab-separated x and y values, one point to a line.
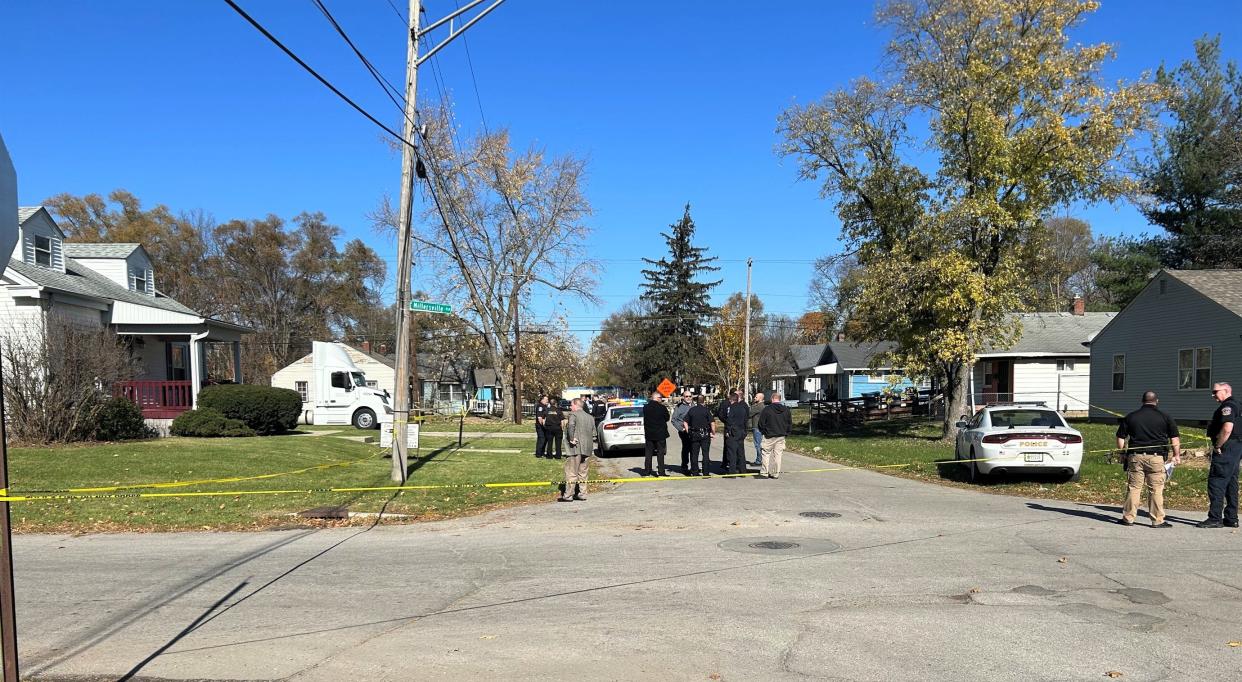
117	250
79	279
484	377
1222	286
24	213
1054	333
858	355
807	356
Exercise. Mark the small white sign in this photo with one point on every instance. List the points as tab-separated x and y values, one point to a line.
411	435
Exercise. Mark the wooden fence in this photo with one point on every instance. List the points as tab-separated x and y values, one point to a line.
836	414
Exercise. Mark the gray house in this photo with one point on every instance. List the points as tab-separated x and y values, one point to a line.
1180	334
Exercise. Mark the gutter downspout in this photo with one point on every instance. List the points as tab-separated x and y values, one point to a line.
196	370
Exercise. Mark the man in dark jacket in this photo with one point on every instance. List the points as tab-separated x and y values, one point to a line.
735	414
701	427
775	422
756	408
655	432
679	425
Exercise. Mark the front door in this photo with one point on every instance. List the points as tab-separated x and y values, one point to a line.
177	359
998	381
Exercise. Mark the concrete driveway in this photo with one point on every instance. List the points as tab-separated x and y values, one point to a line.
686	579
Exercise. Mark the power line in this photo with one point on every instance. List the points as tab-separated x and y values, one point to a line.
470	62
276	41
389	89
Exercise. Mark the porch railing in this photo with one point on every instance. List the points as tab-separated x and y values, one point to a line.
157	399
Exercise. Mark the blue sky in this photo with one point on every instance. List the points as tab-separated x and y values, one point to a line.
184	104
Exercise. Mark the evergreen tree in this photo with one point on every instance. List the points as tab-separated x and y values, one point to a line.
680	305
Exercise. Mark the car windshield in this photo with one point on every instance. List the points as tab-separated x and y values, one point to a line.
360	379
1023	418
625	412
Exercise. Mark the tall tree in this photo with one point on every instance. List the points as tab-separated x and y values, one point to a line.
1058	252
502	225
1193	180
834	284
724	343
614	349
680	307
1123	267
1019	122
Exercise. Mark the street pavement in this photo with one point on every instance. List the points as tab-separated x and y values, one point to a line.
664	580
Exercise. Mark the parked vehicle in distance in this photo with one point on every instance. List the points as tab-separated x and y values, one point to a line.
622	426
340	394
1018	437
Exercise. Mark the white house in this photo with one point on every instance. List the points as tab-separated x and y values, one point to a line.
113	286
1049	363
842	370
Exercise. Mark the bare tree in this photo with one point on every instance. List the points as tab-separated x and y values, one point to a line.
501	226
57	374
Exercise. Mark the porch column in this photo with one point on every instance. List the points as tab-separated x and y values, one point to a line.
196	367
237	373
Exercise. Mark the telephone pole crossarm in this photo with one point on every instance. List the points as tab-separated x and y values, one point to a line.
453	36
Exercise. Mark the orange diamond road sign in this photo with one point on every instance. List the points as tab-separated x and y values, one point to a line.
666	388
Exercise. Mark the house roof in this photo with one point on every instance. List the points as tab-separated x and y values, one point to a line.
1053	334
25	213
117	250
806	356
484	377
858	355
81	280
1222	286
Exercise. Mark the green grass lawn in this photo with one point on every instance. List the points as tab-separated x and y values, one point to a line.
192	459
917	443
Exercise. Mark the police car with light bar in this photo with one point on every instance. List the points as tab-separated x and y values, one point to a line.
1018	437
622	426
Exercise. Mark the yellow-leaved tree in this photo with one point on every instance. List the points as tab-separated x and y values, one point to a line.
991	117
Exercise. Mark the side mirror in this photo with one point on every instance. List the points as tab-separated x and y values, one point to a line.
961	425
349	387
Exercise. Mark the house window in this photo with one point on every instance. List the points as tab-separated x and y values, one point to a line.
1194	368
1065	365
451	393
1119	372
43	250
139	278
302	390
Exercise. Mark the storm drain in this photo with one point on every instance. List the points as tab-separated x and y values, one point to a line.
819	514
784	546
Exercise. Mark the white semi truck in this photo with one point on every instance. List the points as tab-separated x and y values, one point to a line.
339	392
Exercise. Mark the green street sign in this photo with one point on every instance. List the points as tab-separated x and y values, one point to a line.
425	307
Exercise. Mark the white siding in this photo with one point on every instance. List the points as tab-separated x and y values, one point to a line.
1038	379
16	319
302	369
77	314
124	312
298	370
40	225
112	268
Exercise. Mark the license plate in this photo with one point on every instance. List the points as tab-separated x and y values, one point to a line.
1034	456
1032	444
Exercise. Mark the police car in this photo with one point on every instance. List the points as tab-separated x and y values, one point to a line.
622	426
1018	437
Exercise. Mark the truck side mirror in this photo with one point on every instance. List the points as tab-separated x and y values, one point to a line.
961	425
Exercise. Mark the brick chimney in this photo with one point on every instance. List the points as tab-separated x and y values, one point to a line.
383	349
366	346
1080	307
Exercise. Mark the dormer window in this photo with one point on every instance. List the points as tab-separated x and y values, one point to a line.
43	251
139	279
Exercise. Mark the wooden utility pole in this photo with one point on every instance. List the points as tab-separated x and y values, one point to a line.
409	158
8	617
746	339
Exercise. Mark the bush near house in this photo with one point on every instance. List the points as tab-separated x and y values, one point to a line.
120	419
208	423
265	409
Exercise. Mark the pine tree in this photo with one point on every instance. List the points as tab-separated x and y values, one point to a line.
680	305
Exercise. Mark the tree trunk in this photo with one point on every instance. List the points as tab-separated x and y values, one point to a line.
956	392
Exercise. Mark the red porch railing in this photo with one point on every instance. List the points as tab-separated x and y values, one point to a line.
156	399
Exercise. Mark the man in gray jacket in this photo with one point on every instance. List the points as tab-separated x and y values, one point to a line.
756	408
679	425
581	436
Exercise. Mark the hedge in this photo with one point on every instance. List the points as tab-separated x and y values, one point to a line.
266	409
208	423
120	419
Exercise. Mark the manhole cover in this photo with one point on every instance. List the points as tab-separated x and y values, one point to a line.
774	544
819	514
779	546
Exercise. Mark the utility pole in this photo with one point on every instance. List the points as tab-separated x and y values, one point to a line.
409	158
8	617
746	338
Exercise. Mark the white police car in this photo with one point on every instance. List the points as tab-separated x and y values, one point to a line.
1018	437
622	426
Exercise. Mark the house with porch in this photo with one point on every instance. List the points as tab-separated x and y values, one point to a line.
114	286
842	369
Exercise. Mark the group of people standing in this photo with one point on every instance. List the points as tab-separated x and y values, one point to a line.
577	430
768	423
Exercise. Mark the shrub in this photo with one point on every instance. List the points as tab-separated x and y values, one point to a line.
120	419
266	409
208	423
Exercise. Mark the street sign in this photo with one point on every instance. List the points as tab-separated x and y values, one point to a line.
666	388
425	307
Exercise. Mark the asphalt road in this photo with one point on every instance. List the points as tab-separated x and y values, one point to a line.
657	580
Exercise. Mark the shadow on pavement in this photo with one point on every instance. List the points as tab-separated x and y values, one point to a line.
1113	517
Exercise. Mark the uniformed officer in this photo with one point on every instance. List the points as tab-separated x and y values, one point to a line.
1144	436
541	436
1223	475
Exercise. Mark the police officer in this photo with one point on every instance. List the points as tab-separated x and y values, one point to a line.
701	427
1223	475
1144	436
541	436
735	414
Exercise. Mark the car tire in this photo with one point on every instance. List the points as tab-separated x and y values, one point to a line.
365	419
1074	477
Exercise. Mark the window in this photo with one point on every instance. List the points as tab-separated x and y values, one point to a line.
43	250
300	386
139	278
1024	418
1194	368
340	380
1065	365
1119	372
